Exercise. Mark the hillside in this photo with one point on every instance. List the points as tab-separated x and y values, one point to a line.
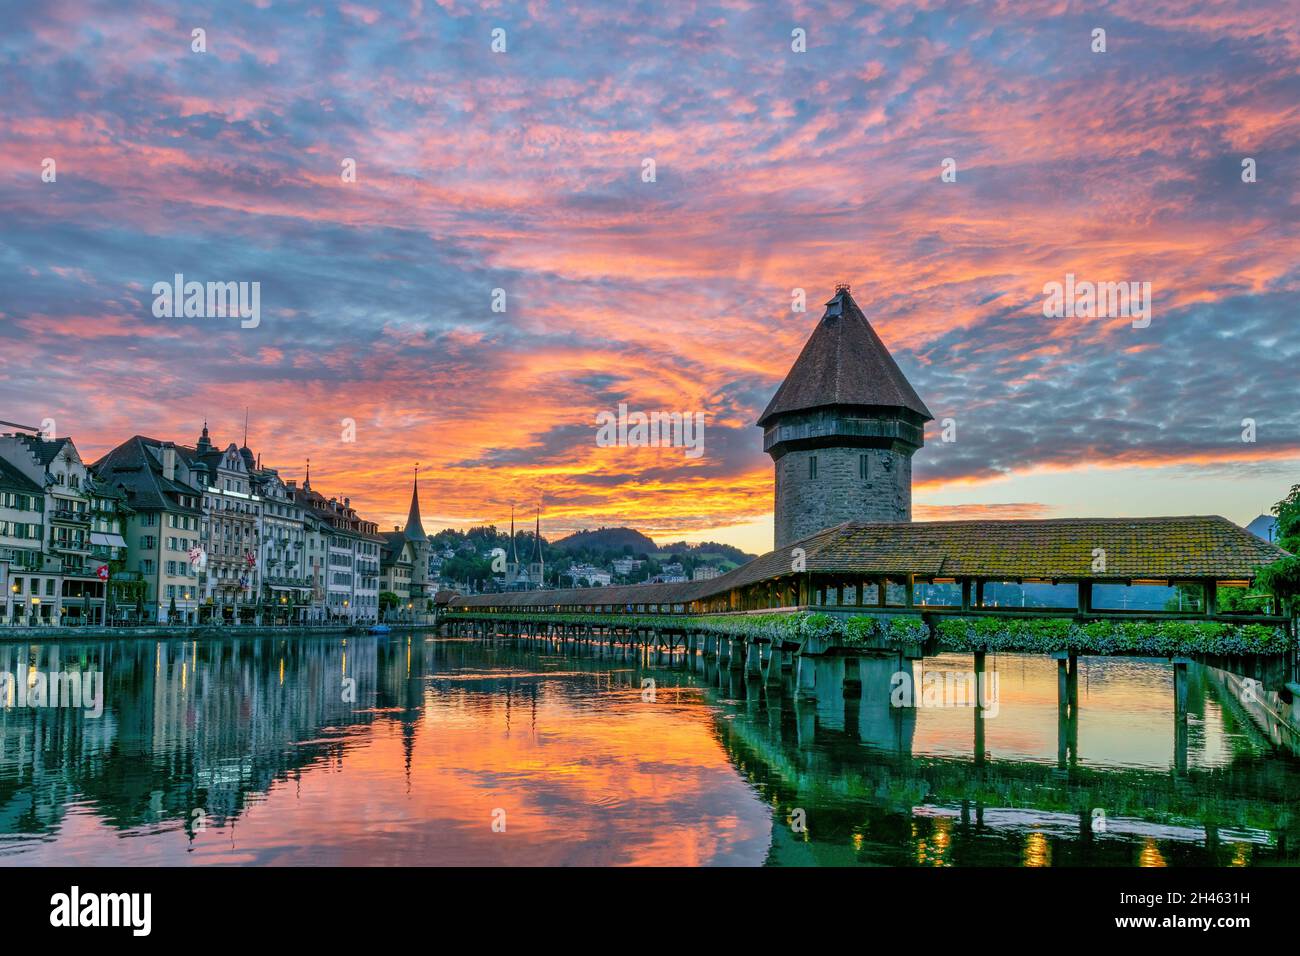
607	539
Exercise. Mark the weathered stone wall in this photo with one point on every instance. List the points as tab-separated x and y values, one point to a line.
807	505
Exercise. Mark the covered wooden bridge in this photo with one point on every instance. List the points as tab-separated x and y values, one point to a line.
1083	568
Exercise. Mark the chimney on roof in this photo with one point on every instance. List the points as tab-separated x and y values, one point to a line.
169	463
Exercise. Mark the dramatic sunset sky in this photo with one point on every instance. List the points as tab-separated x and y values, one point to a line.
776	170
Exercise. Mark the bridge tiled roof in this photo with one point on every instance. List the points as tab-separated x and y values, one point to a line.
1196	546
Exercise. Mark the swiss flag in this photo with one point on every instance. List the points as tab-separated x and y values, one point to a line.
102	572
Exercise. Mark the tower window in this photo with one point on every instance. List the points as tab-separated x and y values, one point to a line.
863	473
812	466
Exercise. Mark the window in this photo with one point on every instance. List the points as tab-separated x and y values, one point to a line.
812	466
863	471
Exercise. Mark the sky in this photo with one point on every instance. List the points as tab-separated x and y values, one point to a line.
774	170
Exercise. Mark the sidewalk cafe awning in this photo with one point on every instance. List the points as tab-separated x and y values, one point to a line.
107	540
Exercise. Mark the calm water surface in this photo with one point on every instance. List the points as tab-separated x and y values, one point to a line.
245	751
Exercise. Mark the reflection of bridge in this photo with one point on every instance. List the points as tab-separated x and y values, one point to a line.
853	756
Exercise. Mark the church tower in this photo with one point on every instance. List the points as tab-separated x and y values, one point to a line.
842	429
415	534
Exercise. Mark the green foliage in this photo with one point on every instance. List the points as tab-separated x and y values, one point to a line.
1035	635
1152	638
1288	520
1282	578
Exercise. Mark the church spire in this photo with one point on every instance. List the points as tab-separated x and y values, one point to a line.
514	550
414	525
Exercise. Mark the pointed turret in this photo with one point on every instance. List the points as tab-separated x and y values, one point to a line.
414	525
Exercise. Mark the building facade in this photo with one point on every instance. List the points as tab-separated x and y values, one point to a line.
162	526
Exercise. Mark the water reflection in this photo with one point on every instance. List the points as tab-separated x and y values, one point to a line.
405	750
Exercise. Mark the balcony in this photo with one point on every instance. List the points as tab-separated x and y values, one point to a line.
66	516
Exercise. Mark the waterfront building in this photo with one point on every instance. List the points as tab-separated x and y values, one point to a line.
396	564
231	585
286	589
842	429
22	533
161	526
705	572
68	589
350	560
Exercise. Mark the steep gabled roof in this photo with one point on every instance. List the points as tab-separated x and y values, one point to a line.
137	469
11	479
844	362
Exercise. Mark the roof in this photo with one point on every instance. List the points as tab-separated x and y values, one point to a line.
137	469
1195	546
414	526
844	362
11	479
45	450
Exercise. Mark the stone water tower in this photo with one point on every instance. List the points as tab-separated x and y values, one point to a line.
842	429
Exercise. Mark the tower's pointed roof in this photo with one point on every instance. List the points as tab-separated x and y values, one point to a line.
844	363
414	526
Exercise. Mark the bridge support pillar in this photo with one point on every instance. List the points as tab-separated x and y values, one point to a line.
1180	715
1067	708
753	659
734	651
774	663
806	676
